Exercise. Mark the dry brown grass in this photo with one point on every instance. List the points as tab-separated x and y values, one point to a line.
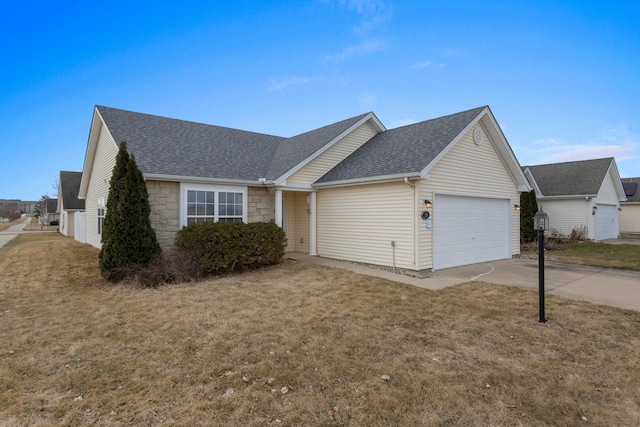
469	355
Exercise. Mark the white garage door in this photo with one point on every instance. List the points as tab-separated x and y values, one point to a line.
468	230
607	222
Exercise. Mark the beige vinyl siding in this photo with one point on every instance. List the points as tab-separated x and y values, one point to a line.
297	221
104	161
565	215
358	223
630	218
332	156
302	221
290	220
466	169
66	224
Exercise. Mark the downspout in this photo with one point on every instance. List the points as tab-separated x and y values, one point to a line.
413	222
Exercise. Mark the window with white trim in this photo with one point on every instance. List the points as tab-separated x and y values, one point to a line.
101	213
207	203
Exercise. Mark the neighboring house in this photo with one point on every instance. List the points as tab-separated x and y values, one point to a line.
352	190
68	203
583	194
630	214
27	207
49	212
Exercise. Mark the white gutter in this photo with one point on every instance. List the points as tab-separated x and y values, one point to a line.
368	180
573	196
178	178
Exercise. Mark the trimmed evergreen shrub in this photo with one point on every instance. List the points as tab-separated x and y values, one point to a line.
232	247
528	208
127	236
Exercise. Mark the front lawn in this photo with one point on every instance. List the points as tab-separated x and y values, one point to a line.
624	256
300	344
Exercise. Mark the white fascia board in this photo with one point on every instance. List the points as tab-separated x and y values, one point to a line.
370	116
532	179
567	196
369	180
201	180
617	182
424	173
296	186
504	151
90	153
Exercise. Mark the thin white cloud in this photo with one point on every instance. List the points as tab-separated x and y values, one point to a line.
455	53
426	65
278	85
368	100
615	142
363	48
401	122
373	13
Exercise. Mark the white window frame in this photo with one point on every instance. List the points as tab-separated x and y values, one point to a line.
217	189
102	206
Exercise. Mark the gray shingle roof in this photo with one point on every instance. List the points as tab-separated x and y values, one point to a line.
176	147
51	205
70	186
293	150
635	197
580	178
181	148
402	150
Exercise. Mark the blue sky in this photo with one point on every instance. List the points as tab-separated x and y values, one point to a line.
561	77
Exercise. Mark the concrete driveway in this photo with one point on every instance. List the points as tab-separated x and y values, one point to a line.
617	288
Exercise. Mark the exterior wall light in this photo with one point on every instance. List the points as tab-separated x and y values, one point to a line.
427	204
516	208
593	210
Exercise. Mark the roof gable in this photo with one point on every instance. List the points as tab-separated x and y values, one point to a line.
69	190
579	178
294	151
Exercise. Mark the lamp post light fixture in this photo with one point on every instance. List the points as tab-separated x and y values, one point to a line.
541	224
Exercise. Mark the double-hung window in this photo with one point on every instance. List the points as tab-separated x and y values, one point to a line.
101	212
206	203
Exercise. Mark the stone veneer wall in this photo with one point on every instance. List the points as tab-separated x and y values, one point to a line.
164	198
260	204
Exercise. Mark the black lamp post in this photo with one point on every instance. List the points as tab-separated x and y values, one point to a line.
541	223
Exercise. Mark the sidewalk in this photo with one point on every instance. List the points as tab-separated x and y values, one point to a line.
11	232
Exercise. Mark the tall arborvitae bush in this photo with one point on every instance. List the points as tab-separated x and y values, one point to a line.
127	236
528	208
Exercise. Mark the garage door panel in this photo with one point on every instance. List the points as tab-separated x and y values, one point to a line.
607	222
469	230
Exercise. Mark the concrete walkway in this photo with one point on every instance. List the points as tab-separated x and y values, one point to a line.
616	288
7	235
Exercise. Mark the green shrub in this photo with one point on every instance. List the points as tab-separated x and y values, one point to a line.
127	236
528	208
231	247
